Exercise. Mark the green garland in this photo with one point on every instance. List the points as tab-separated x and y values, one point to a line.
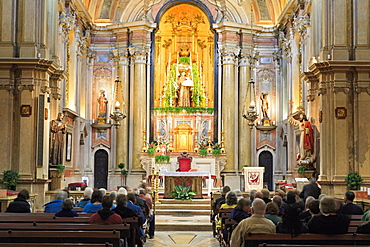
180	109
171	92
198	92
162	159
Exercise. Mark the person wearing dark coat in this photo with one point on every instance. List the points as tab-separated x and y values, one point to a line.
328	221
67	211
350	208
20	204
311	189
241	211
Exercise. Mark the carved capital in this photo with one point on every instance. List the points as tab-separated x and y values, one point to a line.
311	94
362	89
321	91
341	89
90	54
55	92
301	23
119	56
29	87
229	55
66	22
139	54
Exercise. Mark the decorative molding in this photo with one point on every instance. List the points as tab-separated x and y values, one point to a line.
309	77
311	94
321	91
8	87
29	87
362	89
229	55
340	89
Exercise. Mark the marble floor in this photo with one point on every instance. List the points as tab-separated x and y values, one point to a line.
182	239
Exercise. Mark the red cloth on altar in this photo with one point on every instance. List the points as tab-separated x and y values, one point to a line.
184	164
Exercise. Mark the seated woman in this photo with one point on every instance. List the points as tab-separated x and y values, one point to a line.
272	212
20	204
67	211
96	203
241	211
87	197
231	201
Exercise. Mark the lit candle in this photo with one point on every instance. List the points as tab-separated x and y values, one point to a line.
117	104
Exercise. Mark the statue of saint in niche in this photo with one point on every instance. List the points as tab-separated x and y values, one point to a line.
264	105
57	131
102	100
185	84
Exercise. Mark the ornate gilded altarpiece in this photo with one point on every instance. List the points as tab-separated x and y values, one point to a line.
184	78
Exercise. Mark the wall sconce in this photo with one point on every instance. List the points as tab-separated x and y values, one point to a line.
250	114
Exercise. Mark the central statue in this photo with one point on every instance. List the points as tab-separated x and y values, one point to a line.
185	85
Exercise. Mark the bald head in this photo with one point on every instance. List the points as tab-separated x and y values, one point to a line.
258	206
258	195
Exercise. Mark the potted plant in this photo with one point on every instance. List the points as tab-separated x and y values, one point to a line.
203	149
301	171
216	149
353	180
10	179
61	168
162	159
123	173
182	192
151	149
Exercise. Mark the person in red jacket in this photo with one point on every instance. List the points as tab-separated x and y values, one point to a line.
105	216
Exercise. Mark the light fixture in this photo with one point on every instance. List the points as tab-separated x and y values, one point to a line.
117	116
250	114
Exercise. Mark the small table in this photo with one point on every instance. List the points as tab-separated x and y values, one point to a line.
194	178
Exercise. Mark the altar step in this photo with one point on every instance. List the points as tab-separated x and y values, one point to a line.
175	215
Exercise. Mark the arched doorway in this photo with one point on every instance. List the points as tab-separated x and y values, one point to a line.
101	169
265	160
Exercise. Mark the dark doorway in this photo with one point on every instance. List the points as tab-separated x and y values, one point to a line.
101	169
265	160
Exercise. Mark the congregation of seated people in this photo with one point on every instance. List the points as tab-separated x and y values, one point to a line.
101	208
292	213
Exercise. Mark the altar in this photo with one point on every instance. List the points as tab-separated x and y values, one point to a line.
193	179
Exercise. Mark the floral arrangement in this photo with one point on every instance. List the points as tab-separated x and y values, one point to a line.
354	180
182	192
121	166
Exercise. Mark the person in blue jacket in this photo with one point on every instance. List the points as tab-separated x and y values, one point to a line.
95	204
56	205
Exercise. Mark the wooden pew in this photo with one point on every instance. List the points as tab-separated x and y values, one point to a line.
254	240
102	237
45	219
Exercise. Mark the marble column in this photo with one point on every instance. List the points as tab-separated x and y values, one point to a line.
230	106
244	157
123	98
139	107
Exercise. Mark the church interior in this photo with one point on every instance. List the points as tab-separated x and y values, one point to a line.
116	92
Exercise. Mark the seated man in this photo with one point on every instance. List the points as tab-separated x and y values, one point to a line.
349	208
254	224
328	221
56	205
106	216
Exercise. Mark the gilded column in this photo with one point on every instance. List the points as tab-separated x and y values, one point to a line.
139	104
229	106
244	157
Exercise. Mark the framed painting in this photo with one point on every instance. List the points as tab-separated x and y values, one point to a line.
26	110
340	112
69	146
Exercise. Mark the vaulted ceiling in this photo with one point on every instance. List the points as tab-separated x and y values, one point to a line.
264	12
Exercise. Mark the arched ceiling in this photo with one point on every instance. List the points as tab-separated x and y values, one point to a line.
264	12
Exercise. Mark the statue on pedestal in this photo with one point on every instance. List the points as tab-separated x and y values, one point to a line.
102	100
57	131
306	155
